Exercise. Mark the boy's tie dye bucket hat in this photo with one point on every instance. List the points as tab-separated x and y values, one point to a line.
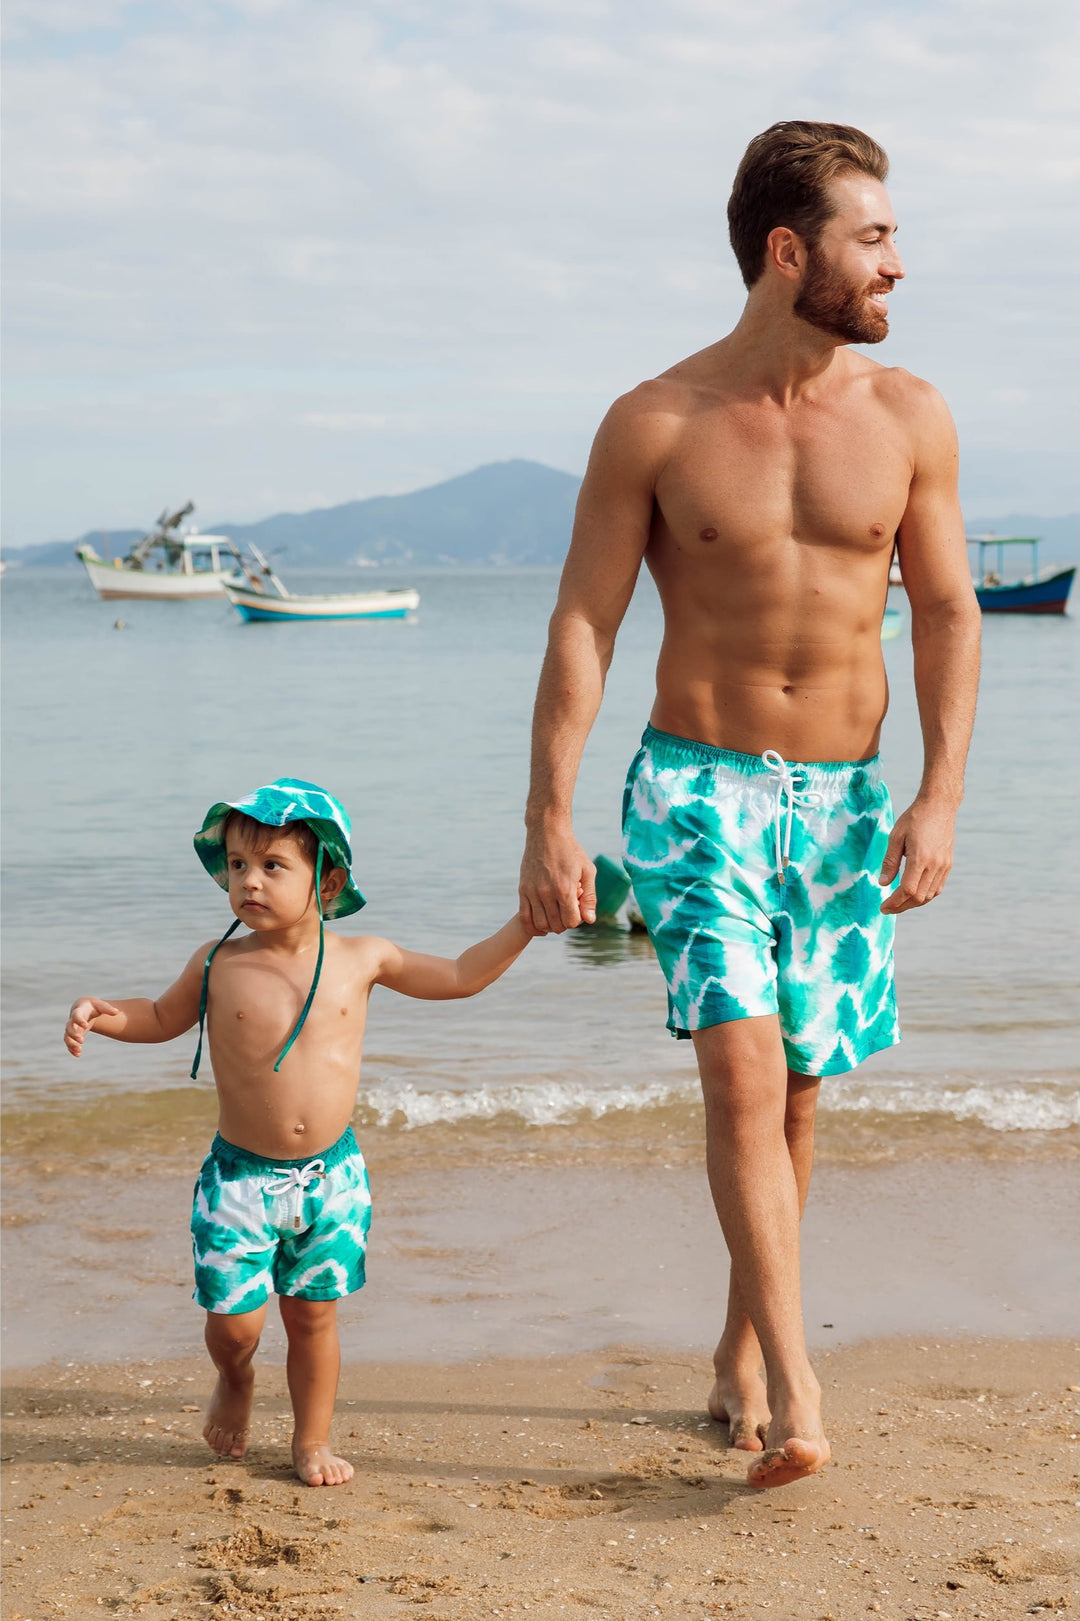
286	799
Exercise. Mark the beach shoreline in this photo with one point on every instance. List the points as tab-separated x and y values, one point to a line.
472	1259
571	1487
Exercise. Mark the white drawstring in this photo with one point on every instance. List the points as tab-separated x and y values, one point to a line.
787	782
295	1181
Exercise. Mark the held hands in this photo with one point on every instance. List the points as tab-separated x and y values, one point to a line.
558	884
81	1021
923	839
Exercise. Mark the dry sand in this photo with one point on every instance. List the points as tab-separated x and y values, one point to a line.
572	1487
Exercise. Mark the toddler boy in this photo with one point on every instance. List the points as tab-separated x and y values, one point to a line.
282	1202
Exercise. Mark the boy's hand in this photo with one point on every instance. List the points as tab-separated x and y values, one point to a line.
81	1021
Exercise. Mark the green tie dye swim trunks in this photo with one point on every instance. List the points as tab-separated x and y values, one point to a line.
756	878
279	1226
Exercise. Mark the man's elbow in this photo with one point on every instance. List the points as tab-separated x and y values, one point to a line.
958	617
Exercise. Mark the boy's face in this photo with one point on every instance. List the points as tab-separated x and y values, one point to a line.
274	888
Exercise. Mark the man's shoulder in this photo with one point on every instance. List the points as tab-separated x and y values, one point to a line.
902	391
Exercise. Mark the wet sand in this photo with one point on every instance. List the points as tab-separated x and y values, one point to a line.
582	1487
477	1260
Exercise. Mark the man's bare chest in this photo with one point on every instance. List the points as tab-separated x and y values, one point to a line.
841	480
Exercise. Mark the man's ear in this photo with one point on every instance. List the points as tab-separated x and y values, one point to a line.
785	252
333	883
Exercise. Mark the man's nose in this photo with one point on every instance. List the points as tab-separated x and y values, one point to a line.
892	265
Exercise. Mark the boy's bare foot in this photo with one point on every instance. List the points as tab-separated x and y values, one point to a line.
795	1446
740	1402
317	1466
228	1417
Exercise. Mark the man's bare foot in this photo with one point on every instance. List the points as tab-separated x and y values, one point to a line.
740	1402
317	1466
228	1416
803	1452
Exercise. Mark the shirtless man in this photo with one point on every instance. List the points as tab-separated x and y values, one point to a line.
764	481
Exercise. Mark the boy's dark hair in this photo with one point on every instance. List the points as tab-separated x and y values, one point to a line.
258	835
784	179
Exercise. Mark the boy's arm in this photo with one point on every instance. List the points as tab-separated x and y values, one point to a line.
437	979
140	1019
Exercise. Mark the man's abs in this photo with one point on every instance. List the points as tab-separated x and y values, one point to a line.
778	647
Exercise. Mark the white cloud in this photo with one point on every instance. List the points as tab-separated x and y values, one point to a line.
476	224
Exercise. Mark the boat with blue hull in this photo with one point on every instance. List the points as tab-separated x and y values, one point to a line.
1040	592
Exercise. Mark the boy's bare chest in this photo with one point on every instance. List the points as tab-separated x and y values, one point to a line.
254	1000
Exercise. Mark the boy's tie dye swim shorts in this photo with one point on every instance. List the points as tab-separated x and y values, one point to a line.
757	880
279	1226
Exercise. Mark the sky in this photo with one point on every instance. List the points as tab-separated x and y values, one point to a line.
280	254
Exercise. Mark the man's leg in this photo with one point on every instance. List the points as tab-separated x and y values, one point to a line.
753	1180
312	1368
738	1397
232	1342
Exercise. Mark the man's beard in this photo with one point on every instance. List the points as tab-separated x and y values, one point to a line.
828	301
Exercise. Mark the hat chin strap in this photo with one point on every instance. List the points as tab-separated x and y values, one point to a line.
305	1010
205	988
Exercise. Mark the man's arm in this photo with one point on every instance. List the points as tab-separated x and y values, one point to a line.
140	1019
443	979
945	631
611	532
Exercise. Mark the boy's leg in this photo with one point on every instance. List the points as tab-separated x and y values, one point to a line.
312	1368
232	1342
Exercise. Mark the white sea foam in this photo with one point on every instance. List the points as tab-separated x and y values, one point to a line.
1022	1106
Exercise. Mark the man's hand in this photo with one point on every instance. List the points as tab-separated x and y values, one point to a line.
81	1021
558	884
923	839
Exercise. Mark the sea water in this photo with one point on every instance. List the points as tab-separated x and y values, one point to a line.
118	738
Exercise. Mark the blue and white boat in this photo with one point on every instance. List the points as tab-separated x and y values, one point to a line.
260	595
1040	592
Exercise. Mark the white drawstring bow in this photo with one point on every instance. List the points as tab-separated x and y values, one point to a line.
787	783
295	1181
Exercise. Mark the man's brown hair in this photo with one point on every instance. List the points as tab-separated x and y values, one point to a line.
784	179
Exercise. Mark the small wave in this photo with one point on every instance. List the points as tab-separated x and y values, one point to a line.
1032	1107
1035	1106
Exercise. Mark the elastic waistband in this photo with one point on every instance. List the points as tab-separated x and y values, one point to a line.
669	750
235	1162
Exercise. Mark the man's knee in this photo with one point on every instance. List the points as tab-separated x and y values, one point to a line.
743	1073
801	1103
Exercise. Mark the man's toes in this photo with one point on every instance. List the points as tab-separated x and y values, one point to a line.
746	1435
794	1460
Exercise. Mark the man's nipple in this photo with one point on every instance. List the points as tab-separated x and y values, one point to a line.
877	530
239	1015
707	534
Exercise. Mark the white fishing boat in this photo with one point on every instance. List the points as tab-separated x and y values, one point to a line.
261	595
170	563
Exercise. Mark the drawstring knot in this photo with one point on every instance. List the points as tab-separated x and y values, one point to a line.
293	1183
789	785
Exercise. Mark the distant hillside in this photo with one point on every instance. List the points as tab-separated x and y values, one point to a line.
507	512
